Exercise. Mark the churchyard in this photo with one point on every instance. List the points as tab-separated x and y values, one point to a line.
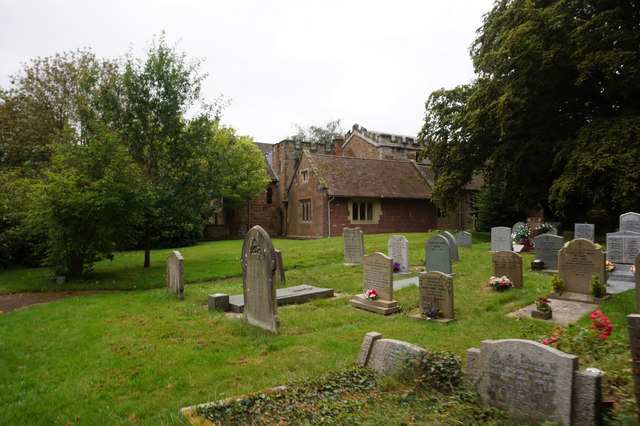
141	354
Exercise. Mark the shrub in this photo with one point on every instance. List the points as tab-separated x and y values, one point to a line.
441	371
557	283
597	288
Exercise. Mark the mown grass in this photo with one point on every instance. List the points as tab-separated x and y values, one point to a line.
142	355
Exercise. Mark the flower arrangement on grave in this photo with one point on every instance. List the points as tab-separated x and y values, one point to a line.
557	284
596	287
397	267
609	266
521	233
370	294
431	310
500	283
633	268
543	304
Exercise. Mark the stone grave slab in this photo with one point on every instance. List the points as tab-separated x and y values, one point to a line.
577	263
463	238
630	222
534	383
398	249
509	264
284	296
633	325
258	280
438	254
501	238
584	230
436	289
353	244
377	274
546	248
623	246
453	246
175	274
386	355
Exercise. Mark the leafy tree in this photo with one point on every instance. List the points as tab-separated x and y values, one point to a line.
547	70
332	130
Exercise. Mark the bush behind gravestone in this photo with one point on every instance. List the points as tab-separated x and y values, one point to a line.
441	371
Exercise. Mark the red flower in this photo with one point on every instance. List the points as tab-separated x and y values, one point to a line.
545	342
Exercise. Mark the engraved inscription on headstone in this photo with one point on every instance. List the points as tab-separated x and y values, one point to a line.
453	245
623	246
353	243
630	222
508	263
377	274
175	274
398	247
463	239
436	288
585	230
438	254
501	238
386	355
577	263
546	249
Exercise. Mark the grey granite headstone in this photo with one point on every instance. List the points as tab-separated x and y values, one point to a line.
633	324
353	243
453	245
438	254
175	274
398	247
377	274
501	238
436	289
546	249
577	263
463	238
258	280
623	246
386	355
509	264
630	222
584	230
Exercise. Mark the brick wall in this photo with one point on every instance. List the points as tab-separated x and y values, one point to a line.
309	190
359	148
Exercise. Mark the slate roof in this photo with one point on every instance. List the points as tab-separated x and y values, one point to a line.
360	177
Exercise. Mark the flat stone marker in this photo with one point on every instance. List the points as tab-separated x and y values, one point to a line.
577	262
377	274
353	243
509	264
630	222
534	383
453	246
284	296
386	355
259	263
436	289
398	249
501	238
175	274
623	246
584	230
438	254
633	324
546	248
463	238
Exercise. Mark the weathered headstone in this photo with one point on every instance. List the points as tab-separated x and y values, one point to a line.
463	238
175	274
509	264
637	277
438	254
398	247
453	245
546	249
353	243
534	383
377	274
436	289
386	355
280	278
501	238
633	324
623	246
577	263
259	262
584	230
630	222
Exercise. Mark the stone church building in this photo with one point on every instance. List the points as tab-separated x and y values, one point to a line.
370	180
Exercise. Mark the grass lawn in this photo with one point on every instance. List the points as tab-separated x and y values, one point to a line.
142	355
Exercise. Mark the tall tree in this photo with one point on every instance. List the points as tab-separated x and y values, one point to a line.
324	134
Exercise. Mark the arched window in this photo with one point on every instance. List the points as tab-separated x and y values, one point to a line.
269	195
362	212
354	211
365	211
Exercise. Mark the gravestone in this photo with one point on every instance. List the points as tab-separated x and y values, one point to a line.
377	274
633	325
533	383
637	277
584	230
630	222
386	355
259	263
175	274
280	278
353	243
453	246
501	238
509	264
463	238
284	296
577	263
436	289
438	254
546	249
398	247
516	225
623	246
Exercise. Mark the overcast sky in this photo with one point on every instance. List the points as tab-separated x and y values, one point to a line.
279	62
